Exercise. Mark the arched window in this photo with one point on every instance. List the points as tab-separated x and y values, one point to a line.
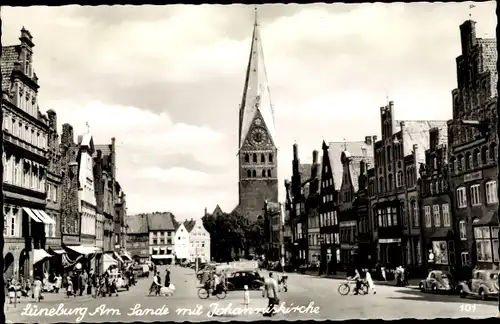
468	161
247	158
269	173
484	155
461	163
270	157
263	173
452	164
476	158
493	152
389	182
255	158
262	158
249	174
254	173
389	154
381	185
414	213
399	179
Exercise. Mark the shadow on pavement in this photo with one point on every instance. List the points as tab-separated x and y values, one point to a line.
414	294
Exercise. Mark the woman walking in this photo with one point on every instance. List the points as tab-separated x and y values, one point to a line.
37	289
369	280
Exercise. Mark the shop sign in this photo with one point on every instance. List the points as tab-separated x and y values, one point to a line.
478	175
390	240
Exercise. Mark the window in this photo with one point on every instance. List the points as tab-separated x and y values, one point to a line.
437	215
269	173
483	244
435	163
381	185
474	195
254	173
464	256
270	158
461	198
463	230
414	211
379	214
263	173
249	173
399	179
427	216
255	158
446	215
247	158
491	192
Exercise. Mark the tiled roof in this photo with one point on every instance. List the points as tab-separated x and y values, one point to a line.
355	169
160	222
138	224
189	225
10	55
335	149
105	149
417	132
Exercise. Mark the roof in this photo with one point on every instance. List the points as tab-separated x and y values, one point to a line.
161	222
256	94
355	169
305	171
105	149
10	55
138	224
189	225
417	132
335	149
217	210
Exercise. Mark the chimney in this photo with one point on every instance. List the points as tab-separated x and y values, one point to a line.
80	139
206	212
315	157
374	138
52	116
415	152
368	140
362	167
67	137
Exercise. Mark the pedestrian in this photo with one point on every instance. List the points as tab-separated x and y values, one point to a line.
246	297
81	283
382	272
37	289
90	282
369	280
58	282
271	292
167	278
223	279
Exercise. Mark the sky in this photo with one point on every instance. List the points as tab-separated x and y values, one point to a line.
167	82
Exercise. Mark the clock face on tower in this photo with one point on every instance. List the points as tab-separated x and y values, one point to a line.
259	136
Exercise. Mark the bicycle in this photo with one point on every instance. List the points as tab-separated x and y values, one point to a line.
204	293
345	288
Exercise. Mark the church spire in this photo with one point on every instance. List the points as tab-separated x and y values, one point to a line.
256	96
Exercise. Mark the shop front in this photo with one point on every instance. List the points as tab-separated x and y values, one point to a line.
389	252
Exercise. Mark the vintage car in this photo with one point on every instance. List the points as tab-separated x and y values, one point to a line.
121	281
239	279
438	281
484	284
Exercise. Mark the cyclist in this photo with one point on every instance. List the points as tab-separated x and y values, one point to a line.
357	278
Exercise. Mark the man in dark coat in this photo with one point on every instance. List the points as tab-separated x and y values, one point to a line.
167	278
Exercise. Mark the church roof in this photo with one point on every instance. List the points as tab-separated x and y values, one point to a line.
256	94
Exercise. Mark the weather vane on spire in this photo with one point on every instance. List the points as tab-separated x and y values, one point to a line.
255	16
470	10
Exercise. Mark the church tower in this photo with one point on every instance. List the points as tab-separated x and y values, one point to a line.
257	152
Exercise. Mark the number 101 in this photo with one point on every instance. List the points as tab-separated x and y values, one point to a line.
468	307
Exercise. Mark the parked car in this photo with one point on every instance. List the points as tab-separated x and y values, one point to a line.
246	277
121	281
484	284
438	281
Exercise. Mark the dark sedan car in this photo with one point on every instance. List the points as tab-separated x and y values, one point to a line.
241	278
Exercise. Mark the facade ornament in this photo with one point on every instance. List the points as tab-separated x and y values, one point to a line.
28	95
21	89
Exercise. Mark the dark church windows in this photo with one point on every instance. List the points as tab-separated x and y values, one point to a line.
254	173
247	158
249	174
263	173
484	155
269	173
262	158
255	158
493	152
270	158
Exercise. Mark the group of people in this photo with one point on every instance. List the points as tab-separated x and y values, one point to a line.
157	285
32	288
214	282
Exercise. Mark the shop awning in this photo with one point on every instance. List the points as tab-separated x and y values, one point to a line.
43	216
163	256
182	255
32	215
82	249
39	255
108	261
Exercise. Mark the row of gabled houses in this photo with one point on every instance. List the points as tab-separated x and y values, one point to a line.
424	195
159	238
62	200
